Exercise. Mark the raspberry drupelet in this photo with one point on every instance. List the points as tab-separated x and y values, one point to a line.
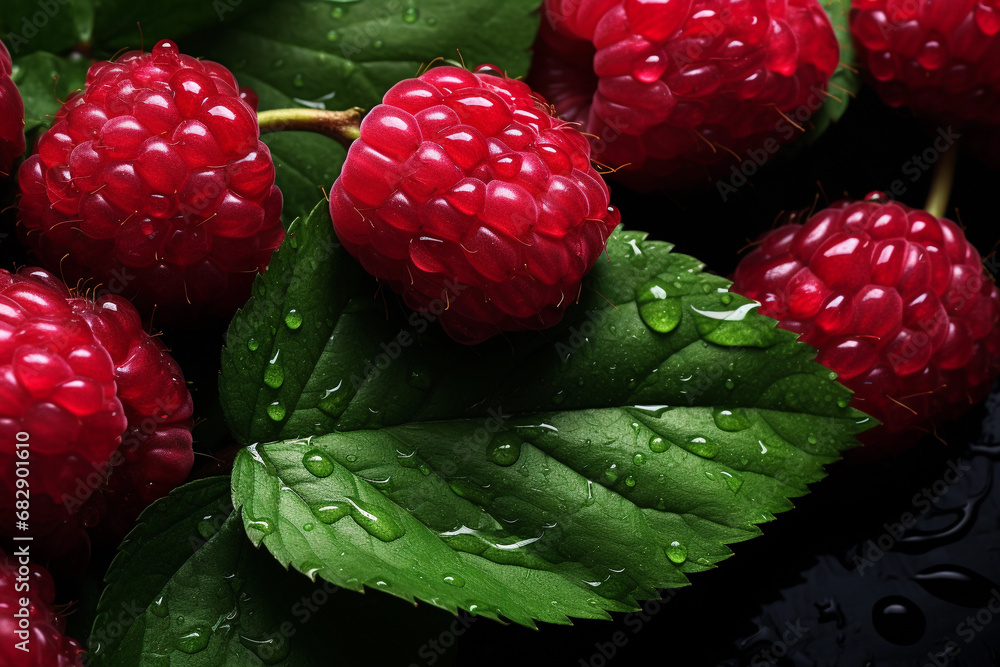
941	59
154	182
897	303
11	116
46	643
470	200
102	406
676	93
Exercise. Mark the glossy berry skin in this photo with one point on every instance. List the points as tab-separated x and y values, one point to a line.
11	116
676	93
941	59
154	182
48	646
897	303
471	201
93	395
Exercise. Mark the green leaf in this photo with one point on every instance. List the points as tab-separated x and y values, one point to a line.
45	25
188	589
338	55
43	81
552	474
121	24
845	82
109	25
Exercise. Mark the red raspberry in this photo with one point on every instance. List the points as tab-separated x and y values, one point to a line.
473	202
153	180
46	644
896	301
677	91
941	59
11	116
87	389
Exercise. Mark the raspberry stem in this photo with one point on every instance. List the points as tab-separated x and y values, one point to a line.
341	126
942	183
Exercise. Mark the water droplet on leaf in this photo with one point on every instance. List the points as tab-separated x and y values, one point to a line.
677	552
318	463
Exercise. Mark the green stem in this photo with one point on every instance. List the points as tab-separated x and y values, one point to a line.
942	183
341	126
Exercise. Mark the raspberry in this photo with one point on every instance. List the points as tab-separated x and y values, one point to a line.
46	644
11	116
941	59
676	92
897	303
90	393
467	197
153	180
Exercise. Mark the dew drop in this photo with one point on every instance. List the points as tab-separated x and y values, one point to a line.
351	458
732	481
454	580
332	35
658	444
261	525
276	411
252	344
206	528
271	651
293	320
411	15
159	607
731	420
660	312
308	527
611	474
378	44
899	620
332	512
677	552
504	449
318	463
638	460
630	481
425	470
376	523
337	13
193	642
703	448
274	376
730	384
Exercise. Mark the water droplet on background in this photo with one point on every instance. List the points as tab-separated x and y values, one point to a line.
899	620
293	320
